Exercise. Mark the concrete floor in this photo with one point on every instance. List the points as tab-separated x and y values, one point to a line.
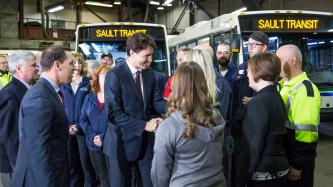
324	161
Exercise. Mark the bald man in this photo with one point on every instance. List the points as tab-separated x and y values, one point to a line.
302	100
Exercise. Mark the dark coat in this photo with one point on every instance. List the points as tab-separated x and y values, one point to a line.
10	99
128	113
240	89
230	74
93	121
42	157
73	102
262	136
223	94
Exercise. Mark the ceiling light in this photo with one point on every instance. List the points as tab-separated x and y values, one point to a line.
167	2
94	3
160	8
154	2
117	2
55	8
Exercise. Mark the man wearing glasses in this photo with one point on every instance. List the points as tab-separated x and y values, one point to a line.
242	93
257	43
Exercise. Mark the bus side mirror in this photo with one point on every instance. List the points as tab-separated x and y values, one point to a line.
235	44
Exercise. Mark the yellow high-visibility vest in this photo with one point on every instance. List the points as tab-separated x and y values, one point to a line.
302	100
5	79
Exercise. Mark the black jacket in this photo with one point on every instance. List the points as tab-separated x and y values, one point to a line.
10	99
262	134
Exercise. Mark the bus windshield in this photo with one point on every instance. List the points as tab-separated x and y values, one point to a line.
316	49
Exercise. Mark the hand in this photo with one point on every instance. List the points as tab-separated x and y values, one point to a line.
158	121
152	125
97	141
73	129
294	174
246	100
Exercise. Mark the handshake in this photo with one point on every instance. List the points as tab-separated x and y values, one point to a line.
152	124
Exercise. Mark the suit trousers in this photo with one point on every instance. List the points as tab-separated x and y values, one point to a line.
99	162
87	168
131	173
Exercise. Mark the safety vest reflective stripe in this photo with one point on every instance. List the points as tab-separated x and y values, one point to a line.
299	86
303	127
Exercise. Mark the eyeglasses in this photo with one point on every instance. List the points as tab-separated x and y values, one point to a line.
223	52
3	62
254	45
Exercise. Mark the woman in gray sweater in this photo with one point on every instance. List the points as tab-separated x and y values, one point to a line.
188	143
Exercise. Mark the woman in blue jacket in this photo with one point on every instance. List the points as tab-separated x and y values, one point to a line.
94	122
78	155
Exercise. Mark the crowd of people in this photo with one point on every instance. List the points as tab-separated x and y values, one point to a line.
71	122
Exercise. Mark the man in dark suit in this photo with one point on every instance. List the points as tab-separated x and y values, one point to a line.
132	98
25	73
42	157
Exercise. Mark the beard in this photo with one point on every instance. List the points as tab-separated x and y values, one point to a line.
224	61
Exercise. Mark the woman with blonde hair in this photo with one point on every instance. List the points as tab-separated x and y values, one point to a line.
188	143
219	91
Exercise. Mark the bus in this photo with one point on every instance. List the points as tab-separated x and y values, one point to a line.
92	40
311	31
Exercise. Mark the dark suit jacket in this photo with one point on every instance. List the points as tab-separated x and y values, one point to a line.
259	146
42	156
10	99
127	113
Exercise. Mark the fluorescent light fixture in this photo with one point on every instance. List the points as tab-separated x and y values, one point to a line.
154	2
330	30
273	38
117	2
160	8
94	3
240	10
321	42
312	43
55	9
331	41
167	2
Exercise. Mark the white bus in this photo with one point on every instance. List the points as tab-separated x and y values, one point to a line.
311	31
95	39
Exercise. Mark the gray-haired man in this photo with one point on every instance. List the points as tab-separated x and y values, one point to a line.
25	73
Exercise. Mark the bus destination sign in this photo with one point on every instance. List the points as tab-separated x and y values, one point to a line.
117	33
285	23
288	24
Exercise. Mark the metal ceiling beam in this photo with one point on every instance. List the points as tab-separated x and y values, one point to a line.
179	18
85	6
203	9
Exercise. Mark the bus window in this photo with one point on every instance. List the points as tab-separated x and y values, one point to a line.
223	37
204	40
192	44
173	60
